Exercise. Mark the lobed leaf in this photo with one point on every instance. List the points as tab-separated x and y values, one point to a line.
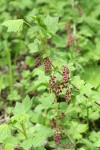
14	25
4	132
34	47
51	23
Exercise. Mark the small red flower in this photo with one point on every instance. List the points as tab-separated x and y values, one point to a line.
68	95
65	73
57	136
37	61
47	65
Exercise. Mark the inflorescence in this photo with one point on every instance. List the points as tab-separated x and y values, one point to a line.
57	87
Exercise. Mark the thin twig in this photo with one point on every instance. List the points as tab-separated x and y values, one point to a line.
97	103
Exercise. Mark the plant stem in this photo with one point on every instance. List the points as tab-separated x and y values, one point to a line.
70	138
88	119
15	59
74	24
24	132
27	24
9	65
18	129
24	129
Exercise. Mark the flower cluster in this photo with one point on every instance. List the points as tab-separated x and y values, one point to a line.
47	65
65	73
37	62
71	37
57	126
69	41
53	123
68	95
52	84
57	136
80	10
56	87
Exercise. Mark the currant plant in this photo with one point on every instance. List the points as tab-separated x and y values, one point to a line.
56	128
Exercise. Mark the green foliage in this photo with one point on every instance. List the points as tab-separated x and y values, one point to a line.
8	147
27	106
34	47
51	23
24	107
38	138
4	132
77	129
14	25
93	142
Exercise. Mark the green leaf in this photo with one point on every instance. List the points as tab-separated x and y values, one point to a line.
14	96
4	132
40	84
11	139
14	25
51	23
39	137
97	143
24	107
87	31
78	82
76	130
17	119
92	75
59	41
37	116
33	87
89	144
95	138
94	115
27	103
81	148
19	109
9	147
26	74
47	101
27	144
40	148
34	47
86	89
